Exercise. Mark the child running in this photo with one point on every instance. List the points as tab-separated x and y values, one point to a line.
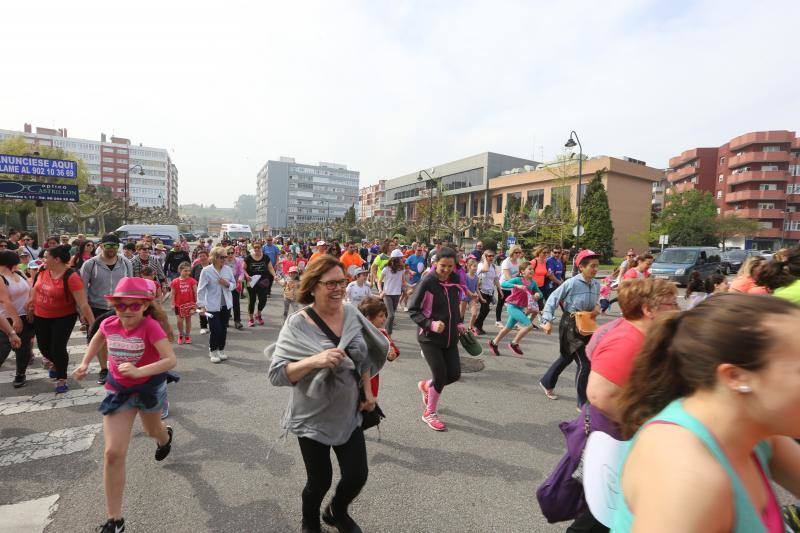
470	295
358	290
290	285
375	311
605	293
139	356
149	273
524	295
184	301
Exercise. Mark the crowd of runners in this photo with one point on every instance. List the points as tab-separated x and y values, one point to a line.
717	381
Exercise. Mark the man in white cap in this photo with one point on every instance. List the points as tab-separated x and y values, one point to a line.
322	249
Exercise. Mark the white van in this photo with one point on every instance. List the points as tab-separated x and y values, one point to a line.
166	232
233	232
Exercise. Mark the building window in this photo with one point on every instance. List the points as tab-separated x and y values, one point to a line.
766	205
499	205
108	160
536	199
767	187
721	178
719	195
719	210
722	160
559	196
771	149
122	151
108	149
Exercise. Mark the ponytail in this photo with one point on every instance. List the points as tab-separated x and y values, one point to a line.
782	270
155	312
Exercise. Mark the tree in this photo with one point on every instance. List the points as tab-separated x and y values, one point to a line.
730	225
245	206
350	216
400	217
689	218
455	225
596	219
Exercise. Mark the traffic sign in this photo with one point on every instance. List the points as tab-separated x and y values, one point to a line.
578	230
38	166
663	239
511	241
31	190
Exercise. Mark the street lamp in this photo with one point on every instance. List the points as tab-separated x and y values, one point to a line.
571	142
127	191
430	183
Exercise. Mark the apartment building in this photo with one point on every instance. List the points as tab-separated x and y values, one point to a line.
110	163
372	202
755	175
628	183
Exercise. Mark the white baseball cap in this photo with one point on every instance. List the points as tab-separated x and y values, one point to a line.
396	253
322	243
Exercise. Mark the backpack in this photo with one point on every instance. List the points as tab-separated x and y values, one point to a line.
67	273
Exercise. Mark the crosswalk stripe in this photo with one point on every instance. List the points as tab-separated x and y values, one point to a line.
16	450
31	516
78	334
41	373
48	400
71	350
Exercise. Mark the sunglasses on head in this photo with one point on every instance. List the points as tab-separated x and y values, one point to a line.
124	307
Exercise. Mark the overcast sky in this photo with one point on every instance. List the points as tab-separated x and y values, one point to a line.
388	87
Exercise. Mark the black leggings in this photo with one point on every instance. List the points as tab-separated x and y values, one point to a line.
256	292
23	353
550	378
501	300
52	336
237	313
444	363
486	305
352	457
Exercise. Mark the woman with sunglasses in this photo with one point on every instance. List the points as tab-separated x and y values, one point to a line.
84	253
509	269
215	297
139	356
488	284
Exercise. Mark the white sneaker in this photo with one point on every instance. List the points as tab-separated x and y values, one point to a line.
222	355
203	331
214	355
498	324
405	309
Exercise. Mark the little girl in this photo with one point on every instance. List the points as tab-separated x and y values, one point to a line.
184	301
139	356
524	293
290	285
375	311
150	274
470	295
605	292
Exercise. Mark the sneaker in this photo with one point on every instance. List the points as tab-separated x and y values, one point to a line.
494	349
52	373
203	331
102	376
343	522
222	355
474	331
498	324
259	320
61	386
112	526
405	309
251	323
515	348
423	388
163	451
548	392
481	332
165	410
213	355
180	339
19	381
187	340
238	325
432	419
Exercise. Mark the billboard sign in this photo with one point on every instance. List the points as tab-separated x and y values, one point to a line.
38	166
31	190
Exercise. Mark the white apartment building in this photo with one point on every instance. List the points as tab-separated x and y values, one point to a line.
290	193
113	164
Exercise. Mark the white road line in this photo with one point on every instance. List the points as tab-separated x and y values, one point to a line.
30	516
71	350
41	373
16	450
47	400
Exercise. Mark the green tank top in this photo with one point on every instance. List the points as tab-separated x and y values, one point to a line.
747	519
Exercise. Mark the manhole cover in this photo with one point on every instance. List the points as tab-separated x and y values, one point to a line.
471	365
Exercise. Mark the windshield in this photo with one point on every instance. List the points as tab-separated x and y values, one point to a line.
677	256
737	255
233	235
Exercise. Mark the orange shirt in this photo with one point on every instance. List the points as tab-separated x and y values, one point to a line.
747	285
315	255
51	300
351	260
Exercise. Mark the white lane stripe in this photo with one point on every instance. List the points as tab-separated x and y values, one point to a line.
48	400
16	450
71	350
41	373
31	516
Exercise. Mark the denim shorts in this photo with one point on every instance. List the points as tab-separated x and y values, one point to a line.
134	402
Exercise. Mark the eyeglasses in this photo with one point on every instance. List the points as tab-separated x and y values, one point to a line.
124	307
333	284
110	245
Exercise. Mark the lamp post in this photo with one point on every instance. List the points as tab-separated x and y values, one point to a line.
786	219
571	142
430	183
127	191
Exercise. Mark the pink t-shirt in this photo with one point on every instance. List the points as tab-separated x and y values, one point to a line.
614	355
633	273
134	346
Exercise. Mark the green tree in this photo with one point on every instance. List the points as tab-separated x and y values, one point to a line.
350	216
689	218
596	219
400	217
731	225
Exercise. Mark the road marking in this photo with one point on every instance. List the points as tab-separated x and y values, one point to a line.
47	400
71	350
41	373
16	450
30	516
77	334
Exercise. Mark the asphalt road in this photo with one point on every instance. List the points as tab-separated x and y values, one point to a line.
230	470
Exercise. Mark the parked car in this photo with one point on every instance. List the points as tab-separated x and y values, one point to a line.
168	233
732	260
677	264
190	237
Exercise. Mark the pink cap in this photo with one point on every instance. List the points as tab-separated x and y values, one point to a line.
139	288
583	254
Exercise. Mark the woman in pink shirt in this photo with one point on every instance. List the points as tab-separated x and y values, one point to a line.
642	268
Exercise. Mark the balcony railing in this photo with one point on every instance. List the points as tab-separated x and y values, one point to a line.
683	187
741	196
760	137
755	213
757	157
685	157
681	173
758	175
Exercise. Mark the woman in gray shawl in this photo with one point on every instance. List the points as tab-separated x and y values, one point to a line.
324	406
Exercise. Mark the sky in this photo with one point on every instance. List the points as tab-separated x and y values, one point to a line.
390	87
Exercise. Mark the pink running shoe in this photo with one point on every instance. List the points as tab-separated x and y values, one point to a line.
423	388
251	323
515	348
187	340
493	348
432	419
180	339
259	320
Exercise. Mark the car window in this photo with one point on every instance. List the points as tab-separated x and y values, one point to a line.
677	255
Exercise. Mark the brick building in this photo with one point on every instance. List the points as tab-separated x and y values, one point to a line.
371	202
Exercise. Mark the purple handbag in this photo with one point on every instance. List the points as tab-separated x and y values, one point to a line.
561	495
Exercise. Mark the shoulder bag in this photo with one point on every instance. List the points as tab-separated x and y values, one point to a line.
585	323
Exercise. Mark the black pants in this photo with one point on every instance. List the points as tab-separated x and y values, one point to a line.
352	457
391	301
501	300
253	293
270	280
237	313
586	523
444	363
23	353
566	356
218	324
486	305
52	336
97	312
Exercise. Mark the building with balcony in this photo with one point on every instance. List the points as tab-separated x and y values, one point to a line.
371	202
628	183
756	176
290	193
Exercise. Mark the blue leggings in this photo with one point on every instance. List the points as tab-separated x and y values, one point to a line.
516	315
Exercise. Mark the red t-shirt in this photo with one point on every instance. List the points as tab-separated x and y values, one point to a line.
51	299
182	291
634	273
614	355
131	346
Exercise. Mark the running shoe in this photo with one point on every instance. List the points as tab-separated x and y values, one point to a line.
405	309
238	325
481	332
259	320
112	526
221	355
61	386
515	348
19	381
423	388
165	410
493	347
187	340
203	331
52	373
498	324
342	522
214	356
180	339
432	419
251	323
163	451
102	376
548	392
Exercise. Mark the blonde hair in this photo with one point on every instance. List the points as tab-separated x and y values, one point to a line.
542	248
514	248
218	252
746	270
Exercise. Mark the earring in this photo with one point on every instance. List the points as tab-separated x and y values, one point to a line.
744	389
